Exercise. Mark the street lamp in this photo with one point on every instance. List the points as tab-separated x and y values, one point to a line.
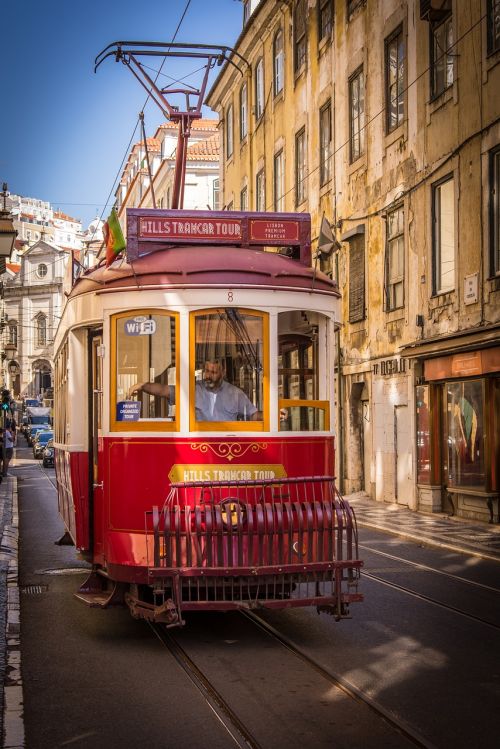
7	232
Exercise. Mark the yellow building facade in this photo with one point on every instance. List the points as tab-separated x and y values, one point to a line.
385	118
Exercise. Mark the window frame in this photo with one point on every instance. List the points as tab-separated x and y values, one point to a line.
436	92
233	426
244	198
325	165
229	131
259	88
493	41
278	201
322	6
397	34
41	330
260	195
437	273
243	111
390	303
300	167
299	36
278	63
145	425
494	211
358	77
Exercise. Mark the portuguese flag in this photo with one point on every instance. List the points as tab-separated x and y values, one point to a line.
113	236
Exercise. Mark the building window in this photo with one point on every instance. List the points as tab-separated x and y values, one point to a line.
299	35
229	131
444	236
243	112
246	11
300	167
357	278
441	58
260	191
394	80
278	57
324	19
493	26
215	195
230	206
465	431
357	114
41	270
352	6
41	330
244	199
279	182
325	144
395	259
495	212
259	89
13	333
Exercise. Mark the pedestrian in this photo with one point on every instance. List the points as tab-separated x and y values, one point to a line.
8	450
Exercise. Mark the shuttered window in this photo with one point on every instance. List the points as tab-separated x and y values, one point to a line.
357	278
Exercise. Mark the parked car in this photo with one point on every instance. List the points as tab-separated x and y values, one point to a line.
48	454
40	442
33	430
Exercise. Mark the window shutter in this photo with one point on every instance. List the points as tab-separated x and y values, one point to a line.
357	279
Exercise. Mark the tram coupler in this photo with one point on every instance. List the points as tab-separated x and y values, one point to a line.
166	613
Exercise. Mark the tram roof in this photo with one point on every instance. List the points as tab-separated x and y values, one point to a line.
198	266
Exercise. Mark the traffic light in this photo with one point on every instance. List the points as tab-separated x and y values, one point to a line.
5	400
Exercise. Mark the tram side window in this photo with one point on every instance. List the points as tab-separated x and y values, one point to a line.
146	366
228	358
301	392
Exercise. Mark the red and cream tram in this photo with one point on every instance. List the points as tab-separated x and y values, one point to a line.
194	394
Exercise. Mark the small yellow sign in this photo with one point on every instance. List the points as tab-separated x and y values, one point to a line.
215	472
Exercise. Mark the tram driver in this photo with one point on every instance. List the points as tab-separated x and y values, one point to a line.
216	398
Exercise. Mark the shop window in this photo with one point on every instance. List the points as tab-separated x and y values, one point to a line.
145	387
423	435
229	355
443	237
465	431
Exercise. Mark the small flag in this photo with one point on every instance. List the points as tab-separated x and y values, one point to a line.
113	237
326	240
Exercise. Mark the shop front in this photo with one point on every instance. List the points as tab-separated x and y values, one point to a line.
457	404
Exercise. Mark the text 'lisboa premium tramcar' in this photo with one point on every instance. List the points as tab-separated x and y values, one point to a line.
194	394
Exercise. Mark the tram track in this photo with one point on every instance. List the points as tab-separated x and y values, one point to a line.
427	568
240	734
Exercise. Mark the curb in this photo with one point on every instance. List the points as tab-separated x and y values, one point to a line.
13	708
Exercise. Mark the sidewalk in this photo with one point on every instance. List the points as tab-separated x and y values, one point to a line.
437	529
11	690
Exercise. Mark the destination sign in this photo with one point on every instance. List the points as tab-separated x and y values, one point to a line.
189	228
270	231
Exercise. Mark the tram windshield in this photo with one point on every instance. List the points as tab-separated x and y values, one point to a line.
228	360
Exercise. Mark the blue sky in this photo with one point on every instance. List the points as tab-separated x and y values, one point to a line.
64	130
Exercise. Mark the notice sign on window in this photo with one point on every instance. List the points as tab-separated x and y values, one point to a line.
128	411
470	289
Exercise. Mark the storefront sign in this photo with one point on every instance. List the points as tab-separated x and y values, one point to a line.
390	367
